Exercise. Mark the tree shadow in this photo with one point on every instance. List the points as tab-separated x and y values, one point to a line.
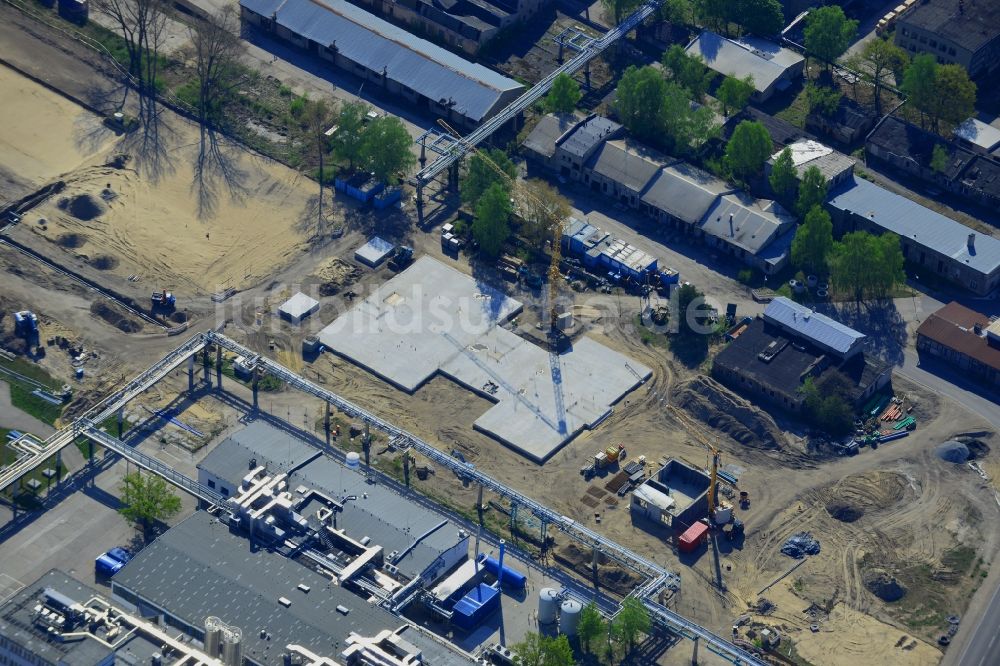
217	166
880	321
150	144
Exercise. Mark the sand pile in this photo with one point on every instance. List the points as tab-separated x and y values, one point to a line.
83	206
953	452
884	585
712	403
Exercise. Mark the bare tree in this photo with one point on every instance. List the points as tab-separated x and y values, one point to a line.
217	50
316	120
141	24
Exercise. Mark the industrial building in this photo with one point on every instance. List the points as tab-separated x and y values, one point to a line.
465	25
676	496
563	143
968	172
773	68
930	241
375	515
298	307
773	356
963	32
433	319
424	76
202	569
604	254
835	166
965	339
58	621
758	232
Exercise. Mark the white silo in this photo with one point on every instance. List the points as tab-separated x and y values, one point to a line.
569	616
548	605
353	460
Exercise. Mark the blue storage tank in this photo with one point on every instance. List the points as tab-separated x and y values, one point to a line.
511	577
475	606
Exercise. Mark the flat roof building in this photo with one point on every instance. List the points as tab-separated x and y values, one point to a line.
298	307
964	32
676	497
425	75
929	241
201	569
773	67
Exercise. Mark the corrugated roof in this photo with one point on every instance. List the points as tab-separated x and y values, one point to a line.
684	191
199	568
379	46
626	163
920	225
763	60
818	328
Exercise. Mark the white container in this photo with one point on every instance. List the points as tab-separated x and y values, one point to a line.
723	514
353	460
569	616
548	605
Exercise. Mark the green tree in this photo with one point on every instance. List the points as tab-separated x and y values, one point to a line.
954	97
812	191
490	226
939	158
784	177
813	242
734	93
349	138
761	17
748	149
823	100
631	622
825	407
591	625
543	211
878	63
687	71
619	9
717	14
828	33
639	102
146	498
683	128
867	266
536	650
676	11
564	94
919	83
480	175
386	149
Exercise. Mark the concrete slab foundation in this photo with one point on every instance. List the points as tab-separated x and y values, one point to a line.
431	318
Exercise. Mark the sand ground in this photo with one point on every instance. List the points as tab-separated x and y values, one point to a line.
169	208
41	135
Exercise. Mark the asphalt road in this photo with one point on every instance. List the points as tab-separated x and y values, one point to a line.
983	648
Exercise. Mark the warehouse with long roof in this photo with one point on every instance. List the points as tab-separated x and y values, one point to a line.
420	73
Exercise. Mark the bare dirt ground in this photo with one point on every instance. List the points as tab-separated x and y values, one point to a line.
235	218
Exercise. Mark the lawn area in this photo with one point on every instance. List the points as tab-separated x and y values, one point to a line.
21	391
796	112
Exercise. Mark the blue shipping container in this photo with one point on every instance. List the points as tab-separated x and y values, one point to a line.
511	577
476	606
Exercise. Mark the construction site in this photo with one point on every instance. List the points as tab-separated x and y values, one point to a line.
411	466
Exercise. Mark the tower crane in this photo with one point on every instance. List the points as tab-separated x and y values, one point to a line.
555	226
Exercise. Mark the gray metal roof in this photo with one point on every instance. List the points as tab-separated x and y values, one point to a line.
807	153
582	140
546	134
271	447
755	222
919	225
763	60
684	191
813	326
379	46
627	163
199	568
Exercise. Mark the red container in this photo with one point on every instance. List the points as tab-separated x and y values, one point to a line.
692	537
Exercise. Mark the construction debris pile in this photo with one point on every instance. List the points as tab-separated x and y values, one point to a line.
801	544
